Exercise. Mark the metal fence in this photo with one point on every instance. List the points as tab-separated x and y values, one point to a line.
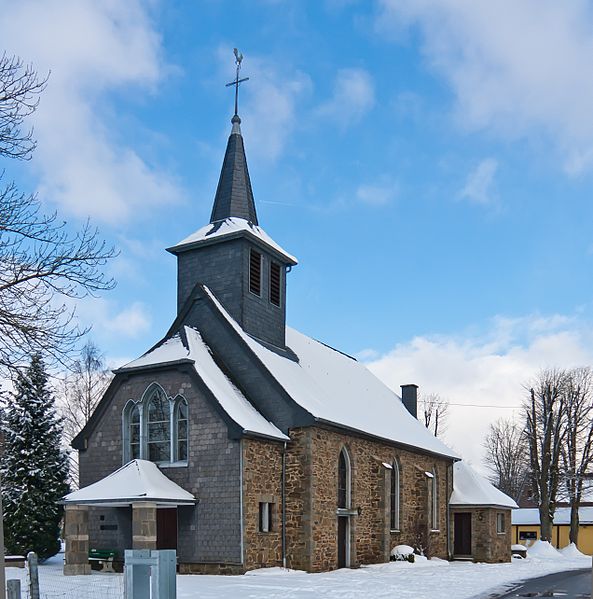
54	585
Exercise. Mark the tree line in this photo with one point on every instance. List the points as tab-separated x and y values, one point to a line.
546	455
45	266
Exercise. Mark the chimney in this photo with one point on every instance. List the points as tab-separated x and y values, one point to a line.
410	398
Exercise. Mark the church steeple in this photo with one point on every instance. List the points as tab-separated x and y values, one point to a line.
234	196
233	256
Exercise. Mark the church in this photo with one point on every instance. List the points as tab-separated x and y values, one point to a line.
242	443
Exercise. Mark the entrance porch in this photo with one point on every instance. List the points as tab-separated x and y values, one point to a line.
135	507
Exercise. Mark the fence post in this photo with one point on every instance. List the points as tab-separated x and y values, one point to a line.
164	574
33	575
13	589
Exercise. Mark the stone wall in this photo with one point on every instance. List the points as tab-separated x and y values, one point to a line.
487	545
262	482
312	478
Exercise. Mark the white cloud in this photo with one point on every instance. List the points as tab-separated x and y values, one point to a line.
489	369
376	194
268	107
516	68
93	48
480	181
109	322
353	96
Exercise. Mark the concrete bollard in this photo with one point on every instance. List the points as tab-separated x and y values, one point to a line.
33	575
13	589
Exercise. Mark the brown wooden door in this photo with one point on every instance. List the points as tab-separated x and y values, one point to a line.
463	534
166	528
342	541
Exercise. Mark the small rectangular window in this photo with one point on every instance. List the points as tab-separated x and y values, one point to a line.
275	283
265	516
255	272
500	523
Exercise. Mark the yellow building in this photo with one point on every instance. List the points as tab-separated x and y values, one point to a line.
525	528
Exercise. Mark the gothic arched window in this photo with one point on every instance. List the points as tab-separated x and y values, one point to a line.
435	501
180	423
395	496
344	480
156	427
134	432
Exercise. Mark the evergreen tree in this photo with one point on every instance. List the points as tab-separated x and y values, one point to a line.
33	467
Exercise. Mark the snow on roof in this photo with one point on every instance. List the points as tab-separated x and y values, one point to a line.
527	516
233	402
336	388
230	226
172	350
137	481
469	488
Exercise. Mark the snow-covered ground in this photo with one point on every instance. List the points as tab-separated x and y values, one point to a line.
431	579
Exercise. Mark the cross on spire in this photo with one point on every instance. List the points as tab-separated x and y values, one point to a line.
237	81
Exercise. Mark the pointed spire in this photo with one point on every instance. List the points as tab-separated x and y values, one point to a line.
234	196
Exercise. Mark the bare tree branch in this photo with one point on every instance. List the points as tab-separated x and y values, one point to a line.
435	410
507	457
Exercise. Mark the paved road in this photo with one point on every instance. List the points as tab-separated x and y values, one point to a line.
575	584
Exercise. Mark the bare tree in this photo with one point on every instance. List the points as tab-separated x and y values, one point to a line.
19	96
434	410
545	429
577	450
83	388
507	457
43	265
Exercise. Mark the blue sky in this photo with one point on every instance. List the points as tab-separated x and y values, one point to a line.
429	162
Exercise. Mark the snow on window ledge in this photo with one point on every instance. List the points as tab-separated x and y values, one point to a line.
181	464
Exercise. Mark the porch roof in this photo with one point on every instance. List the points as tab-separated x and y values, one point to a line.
471	489
139	481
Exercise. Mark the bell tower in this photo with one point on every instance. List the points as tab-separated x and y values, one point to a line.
232	255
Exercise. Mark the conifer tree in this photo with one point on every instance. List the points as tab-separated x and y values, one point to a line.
33	466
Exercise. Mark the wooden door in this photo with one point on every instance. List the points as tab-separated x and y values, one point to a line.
462	545
166	528
342	541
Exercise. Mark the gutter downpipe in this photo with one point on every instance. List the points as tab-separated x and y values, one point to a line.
449	551
284	505
241	502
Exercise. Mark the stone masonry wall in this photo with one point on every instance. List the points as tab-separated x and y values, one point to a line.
487	545
311	509
262	482
210	531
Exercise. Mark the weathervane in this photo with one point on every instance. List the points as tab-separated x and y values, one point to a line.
238	60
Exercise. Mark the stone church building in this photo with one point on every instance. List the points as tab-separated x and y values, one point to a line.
243	443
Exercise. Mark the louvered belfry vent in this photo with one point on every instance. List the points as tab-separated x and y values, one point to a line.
255	272
275	283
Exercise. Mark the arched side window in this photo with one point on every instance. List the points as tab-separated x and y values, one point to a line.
134	427
395	496
131	430
180	429
435	501
344	480
156	427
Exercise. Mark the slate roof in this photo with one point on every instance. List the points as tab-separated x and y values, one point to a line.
331	387
234	196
